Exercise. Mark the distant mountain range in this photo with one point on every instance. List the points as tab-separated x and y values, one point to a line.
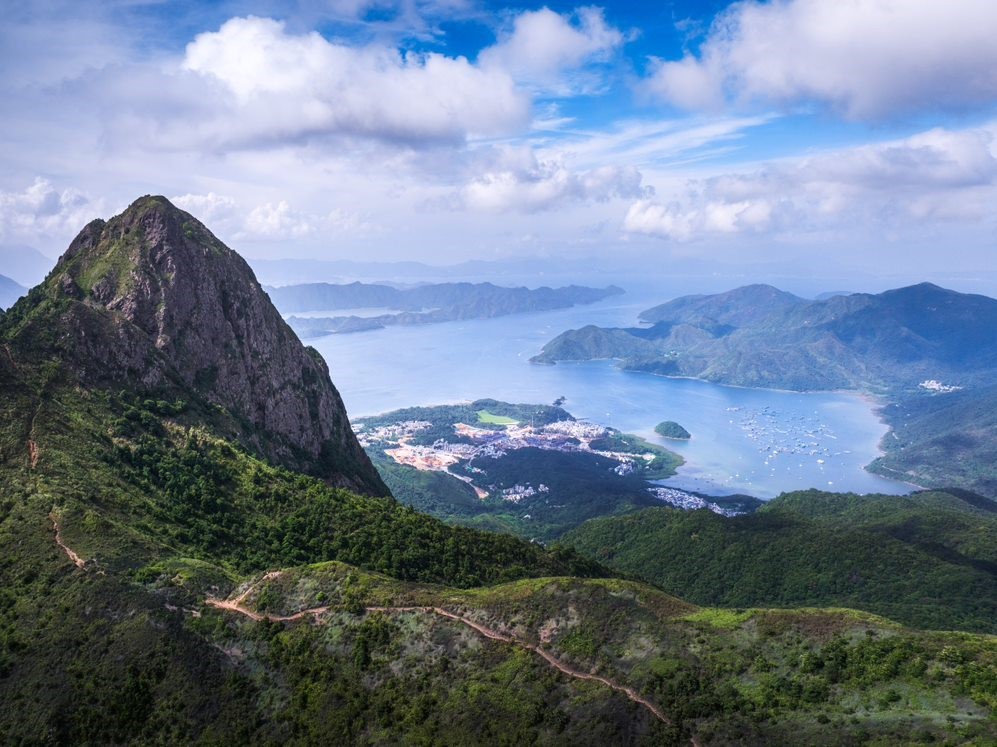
10	291
760	336
423	304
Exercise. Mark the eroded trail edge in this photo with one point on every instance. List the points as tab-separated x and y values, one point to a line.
70	553
237	605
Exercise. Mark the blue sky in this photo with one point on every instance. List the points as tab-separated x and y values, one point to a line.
858	132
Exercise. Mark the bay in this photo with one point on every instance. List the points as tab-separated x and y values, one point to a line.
754	441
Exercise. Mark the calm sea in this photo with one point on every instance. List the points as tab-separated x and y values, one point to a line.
753	441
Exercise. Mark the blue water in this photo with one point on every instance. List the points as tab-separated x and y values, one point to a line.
754	441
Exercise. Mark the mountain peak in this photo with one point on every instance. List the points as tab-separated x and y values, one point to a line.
744	305
152	299
110	261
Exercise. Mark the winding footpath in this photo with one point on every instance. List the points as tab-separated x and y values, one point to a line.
542	653
70	553
237	605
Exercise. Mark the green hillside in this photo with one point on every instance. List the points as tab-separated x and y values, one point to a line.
927	560
943	439
758	335
181	565
166	517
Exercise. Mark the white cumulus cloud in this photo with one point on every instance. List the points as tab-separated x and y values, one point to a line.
210	208
277	85
543	45
868	59
41	210
277	220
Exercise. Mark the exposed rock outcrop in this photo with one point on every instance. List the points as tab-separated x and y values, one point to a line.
153	299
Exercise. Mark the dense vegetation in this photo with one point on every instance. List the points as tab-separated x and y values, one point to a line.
744	676
224	504
927	560
671	429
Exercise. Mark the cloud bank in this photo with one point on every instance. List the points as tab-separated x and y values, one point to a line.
935	176
519	180
866	59
41	209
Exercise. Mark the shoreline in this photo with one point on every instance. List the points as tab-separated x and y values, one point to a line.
876	402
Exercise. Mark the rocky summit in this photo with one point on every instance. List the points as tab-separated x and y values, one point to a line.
152	298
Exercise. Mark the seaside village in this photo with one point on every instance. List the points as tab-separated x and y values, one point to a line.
479	443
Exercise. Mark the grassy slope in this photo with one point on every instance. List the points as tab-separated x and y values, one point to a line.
928	560
745	676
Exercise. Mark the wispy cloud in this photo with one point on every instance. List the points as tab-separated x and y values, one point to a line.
656	142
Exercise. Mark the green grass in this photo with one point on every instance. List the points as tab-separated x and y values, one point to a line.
723	619
491	419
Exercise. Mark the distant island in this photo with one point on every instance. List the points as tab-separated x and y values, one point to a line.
760	336
671	429
423	304
929	352
533	470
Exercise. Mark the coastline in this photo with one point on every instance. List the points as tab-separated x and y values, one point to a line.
875	401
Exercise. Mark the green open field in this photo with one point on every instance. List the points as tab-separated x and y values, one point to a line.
486	417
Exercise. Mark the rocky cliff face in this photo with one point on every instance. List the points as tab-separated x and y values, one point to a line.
153	299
